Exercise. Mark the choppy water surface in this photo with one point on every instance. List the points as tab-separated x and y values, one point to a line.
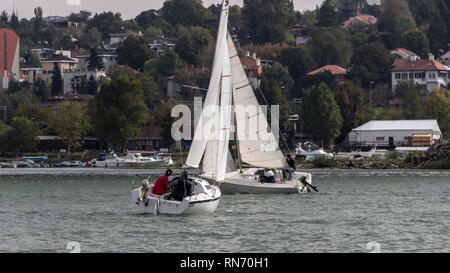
403	211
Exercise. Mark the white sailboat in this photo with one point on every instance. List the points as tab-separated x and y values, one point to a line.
229	86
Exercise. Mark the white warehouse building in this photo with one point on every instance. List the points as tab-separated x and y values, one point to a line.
390	133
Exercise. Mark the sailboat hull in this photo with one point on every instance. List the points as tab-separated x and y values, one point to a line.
252	187
247	182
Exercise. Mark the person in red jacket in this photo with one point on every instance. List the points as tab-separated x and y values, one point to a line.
160	187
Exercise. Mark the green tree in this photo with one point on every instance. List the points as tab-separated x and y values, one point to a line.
90	38
436	33
330	46
146	18
118	110
95	61
371	62
186	13
106	23
92	85
268	21
327	14
437	106
299	62
321	115
4	17
14	20
69	123
163	66
272	95
280	74
416	41
22	135
57	81
134	52
80	17
412	102
395	19
349	98
192	43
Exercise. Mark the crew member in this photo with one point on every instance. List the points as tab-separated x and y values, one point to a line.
291	169
161	184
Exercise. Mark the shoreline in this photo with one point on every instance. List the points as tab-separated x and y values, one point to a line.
42	172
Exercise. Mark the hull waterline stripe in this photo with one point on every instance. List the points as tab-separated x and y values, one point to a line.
204	201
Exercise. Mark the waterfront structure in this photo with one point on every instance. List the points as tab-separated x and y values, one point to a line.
9	57
395	133
426	74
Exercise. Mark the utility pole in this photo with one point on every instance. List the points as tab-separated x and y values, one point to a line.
370	93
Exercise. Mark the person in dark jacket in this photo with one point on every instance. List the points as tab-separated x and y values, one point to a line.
182	187
291	169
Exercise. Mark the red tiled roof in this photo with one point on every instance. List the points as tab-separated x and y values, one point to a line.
249	63
363	18
334	70
419	65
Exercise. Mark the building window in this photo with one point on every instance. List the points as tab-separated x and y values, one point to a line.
405	76
411	75
397	76
380	138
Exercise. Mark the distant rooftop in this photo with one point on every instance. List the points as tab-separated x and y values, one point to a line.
333	69
418	65
363	19
402	125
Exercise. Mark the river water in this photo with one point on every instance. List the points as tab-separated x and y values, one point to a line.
49	210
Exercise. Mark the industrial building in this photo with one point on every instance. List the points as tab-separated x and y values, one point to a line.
9	57
396	133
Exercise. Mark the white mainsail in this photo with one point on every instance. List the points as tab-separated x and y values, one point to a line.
254	149
228	83
206	120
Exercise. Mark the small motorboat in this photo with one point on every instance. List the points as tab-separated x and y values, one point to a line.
200	198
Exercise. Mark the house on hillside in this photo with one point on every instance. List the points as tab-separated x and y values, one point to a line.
336	71
253	69
427	74
364	19
403	53
64	63
445	59
396	133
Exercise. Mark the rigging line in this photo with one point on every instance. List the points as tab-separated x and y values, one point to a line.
270	112
281	132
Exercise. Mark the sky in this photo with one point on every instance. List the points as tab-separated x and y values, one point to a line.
128	8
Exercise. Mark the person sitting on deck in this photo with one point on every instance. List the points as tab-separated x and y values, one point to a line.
161	184
270	176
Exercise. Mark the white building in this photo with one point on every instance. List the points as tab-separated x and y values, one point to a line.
73	79
30	74
427	74
384	133
109	61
